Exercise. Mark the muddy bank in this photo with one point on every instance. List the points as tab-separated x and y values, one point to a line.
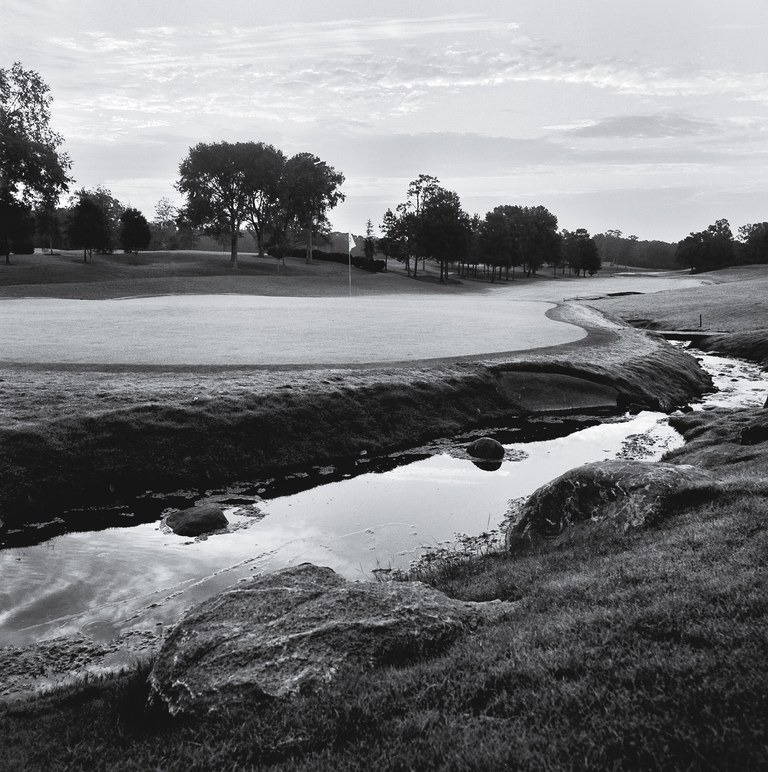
164	430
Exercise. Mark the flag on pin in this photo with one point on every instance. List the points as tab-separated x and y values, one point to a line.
351	243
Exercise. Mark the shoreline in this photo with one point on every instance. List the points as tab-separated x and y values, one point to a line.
114	434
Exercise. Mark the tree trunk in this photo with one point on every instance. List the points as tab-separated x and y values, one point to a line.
233	246
309	244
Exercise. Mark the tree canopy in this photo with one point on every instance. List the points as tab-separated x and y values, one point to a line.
230	184
33	172
708	249
134	231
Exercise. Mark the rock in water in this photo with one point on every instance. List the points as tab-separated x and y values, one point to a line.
296	629
197	520
623	494
486	448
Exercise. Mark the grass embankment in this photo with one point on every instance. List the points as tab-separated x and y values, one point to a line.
643	651
103	437
734	308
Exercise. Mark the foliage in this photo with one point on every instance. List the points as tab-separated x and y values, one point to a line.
309	189
32	170
442	227
580	252
709	249
134	231
754	242
616	249
264	169
89	226
213	179
17	226
230	184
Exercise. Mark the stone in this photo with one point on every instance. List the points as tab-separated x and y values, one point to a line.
486	448
622	495
754	434
294	630
196	521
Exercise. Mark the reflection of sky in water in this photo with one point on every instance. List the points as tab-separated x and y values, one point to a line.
111	581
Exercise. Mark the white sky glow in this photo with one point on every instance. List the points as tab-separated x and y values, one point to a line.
650	118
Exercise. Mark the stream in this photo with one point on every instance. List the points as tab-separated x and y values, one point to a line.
105	584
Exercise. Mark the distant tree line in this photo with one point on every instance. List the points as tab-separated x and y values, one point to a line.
254	188
431	224
716	247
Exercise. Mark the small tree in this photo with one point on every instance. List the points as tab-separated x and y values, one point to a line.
134	231
88	227
369	242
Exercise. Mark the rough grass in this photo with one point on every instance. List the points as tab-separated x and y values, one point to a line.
735	301
637	652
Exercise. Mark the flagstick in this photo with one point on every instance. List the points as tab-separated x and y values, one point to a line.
349	259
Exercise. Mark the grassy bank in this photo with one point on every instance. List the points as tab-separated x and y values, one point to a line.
72	437
642	651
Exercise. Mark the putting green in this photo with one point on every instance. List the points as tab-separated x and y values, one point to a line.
258	330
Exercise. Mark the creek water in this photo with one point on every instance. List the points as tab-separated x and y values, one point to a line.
106	583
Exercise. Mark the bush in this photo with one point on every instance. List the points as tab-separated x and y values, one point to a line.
23	248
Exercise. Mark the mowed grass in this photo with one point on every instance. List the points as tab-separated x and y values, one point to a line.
640	651
645	651
736	300
64	275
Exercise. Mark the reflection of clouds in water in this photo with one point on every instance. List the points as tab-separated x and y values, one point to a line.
140	577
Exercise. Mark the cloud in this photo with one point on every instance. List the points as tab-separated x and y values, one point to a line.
658	126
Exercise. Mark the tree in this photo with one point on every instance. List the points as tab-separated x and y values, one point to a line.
163	230
134	231
213	178
32	170
498	239
17	227
443	228
581	252
754	239
369	242
309	189
88	227
707	250
264	169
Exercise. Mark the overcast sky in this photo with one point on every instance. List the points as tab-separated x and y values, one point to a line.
649	117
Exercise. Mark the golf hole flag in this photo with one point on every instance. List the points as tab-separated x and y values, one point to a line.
351	243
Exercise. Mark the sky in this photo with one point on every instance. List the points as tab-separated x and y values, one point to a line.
646	117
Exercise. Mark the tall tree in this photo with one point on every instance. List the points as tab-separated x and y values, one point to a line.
754	239
309	189
264	169
709	249
134	231
443	228
498	239
580	252
214	180
32	169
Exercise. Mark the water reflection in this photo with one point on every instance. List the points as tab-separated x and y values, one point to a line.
139	578
111	581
